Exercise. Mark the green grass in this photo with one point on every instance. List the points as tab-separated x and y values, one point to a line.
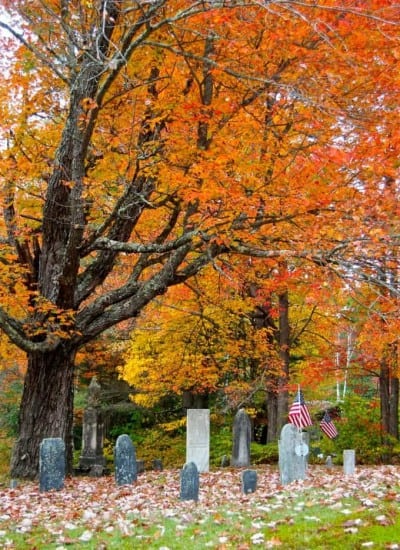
289	522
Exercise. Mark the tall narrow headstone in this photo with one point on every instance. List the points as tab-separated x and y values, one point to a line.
249	481
241	439
189	482
51	464
349	461
92	458
125	461
198	438
293	454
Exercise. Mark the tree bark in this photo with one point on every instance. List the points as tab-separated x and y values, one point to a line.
272	408
46	410
192	400
284	353
277	396
394	393
389	398
394	408
389	394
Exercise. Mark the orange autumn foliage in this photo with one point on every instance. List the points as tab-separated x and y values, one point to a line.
143	142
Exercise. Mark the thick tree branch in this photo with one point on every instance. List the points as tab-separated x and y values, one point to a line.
17	335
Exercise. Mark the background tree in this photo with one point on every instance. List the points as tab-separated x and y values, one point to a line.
220	335
146	140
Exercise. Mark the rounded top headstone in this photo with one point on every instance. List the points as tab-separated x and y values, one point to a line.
124	442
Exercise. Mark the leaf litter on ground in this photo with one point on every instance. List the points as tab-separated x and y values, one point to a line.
89	506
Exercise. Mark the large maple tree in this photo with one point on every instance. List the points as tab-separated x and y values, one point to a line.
142	141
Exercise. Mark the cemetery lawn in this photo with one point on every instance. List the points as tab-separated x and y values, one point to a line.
328	510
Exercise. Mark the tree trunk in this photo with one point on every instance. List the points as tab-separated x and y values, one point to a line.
394	408
46	410
277	395
192	400
272	431
284	352
389	394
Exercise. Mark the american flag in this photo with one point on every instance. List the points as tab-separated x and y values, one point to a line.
328	427
298	413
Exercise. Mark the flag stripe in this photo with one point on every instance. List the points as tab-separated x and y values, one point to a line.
298	414
328	427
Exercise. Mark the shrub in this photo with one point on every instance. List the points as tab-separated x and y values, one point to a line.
11	385
360	429
264	454
5	455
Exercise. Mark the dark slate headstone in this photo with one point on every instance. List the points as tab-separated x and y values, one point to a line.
241	439
51	464
140	466
189	482
249	481
157	465
125	461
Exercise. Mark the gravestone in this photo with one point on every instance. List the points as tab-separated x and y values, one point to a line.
198	438
189	482
51	464
293	454
349	461
241	439
92	459
225	462
97	470
125	461
140	467
157	465
249	481
329	462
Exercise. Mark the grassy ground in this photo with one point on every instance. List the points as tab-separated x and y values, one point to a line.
326	511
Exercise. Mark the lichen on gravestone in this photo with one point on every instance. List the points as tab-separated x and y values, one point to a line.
51	464
125	464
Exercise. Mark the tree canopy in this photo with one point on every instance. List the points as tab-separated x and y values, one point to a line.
143	141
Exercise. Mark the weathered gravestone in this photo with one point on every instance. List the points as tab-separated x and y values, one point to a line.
92	459
241	439
293	454
51	464
249	481
198	438
189	482
125	461
349	461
